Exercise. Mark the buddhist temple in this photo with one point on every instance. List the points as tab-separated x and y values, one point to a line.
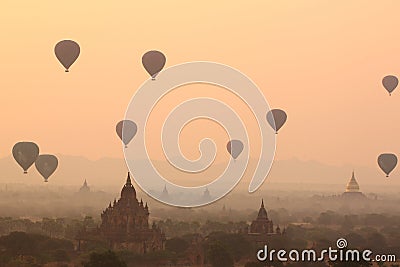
262	228
262	225
206	195
352	188
84	188
125	225
164	195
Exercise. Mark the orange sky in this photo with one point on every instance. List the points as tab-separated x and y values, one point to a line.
321	61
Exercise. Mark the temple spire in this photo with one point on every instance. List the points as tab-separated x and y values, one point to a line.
128	179
262	203
126	224
352	185
128	191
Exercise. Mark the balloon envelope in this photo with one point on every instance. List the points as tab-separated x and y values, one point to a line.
276	118
234	147
387	162
126	130
67	51
25	154
46	165
153	61
390	83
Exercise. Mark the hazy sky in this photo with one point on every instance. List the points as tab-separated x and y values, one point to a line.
321	61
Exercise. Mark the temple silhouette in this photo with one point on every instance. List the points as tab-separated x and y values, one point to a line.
352	188
84	188
125	225
262	225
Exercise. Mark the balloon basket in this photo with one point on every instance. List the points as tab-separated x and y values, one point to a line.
66	70
126	146
25	172
153	79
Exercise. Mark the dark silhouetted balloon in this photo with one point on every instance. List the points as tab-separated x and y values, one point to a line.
390	83
153	61
126	130
46	165
387	162
234	147
276	118
25	154
67	51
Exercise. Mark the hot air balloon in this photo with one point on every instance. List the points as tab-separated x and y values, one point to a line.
234	147
46	165
153	61
390	83
25	154
387	162
67	51
126	130
276	118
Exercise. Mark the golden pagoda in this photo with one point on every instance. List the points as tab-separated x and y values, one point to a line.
352	185
352	188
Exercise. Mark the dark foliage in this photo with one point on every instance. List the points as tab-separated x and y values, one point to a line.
105	259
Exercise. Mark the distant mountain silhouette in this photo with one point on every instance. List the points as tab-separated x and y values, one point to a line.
72	170
107	172
298	171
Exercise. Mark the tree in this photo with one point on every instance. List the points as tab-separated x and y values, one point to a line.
73	228
23	262
88	222
105	259
177	245
351	263
355	240
376	242
235	244
218	255
327	218
60	255
52	227
254	264
20	243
